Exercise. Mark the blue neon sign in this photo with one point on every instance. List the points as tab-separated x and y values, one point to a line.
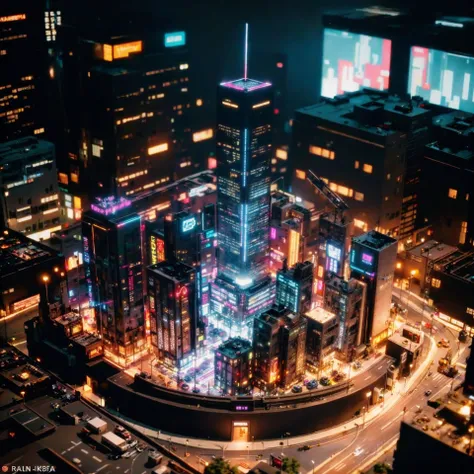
188	224
176	38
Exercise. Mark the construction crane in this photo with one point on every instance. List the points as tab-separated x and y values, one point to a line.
339	205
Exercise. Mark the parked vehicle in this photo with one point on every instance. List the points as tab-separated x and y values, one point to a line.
297	389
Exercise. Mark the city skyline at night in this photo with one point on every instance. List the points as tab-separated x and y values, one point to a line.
236	238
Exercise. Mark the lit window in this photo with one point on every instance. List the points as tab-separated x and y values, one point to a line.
202	135
324	152
467	196
281	154
435	283
356	165
300	174
320	271
343	190
388	176
359	196
77	202
199	102
74	177
63	179
385	198
158	149
470	311
361	224
367	168
452	193
462	234
38	131
211	163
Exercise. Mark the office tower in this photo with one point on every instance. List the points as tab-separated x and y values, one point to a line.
244	117
372	263
181	236
128	102
447	184
28	270
452	290
346	299
334	242
29	187
233	367
291	223
111	235
279	337
294	287
173	312
321	337
375	142
23	66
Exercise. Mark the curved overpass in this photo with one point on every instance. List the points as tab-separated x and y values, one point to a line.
212	417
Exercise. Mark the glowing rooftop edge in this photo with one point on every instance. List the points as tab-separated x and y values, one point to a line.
244	84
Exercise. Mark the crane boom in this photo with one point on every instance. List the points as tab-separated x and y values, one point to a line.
324	189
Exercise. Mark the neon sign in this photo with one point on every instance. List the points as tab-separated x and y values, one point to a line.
367	259
177	38
188	224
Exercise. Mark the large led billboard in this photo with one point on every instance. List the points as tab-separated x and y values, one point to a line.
442	78
352	61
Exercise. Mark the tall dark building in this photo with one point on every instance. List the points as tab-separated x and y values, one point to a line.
447	186
244	136
173	312
23	69
128	102
354	145
294	287
111	235
279	337
469	376
372	263
233	373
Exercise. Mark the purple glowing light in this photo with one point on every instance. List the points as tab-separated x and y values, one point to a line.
273	233
367	259
110	205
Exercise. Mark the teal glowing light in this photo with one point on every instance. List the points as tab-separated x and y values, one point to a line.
174	39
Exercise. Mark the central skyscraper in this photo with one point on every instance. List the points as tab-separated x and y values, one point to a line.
242	289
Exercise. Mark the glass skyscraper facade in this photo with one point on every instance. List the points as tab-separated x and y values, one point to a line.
243	151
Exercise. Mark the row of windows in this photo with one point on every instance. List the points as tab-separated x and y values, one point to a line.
324	152
366	168
453	194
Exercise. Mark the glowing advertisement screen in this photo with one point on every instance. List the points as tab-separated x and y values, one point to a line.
334	255
363	261
352	61
442	78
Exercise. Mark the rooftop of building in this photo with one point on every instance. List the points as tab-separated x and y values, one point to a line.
68	318
347	286
23	148
375	240
18	252
456	134
407	344
32	422
373	12
432	250
23	374
86	339
177	271
245	85
450	423
263	467
374	112
462	267
234	347
320	315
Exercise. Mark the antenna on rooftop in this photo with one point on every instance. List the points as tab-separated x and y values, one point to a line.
246	50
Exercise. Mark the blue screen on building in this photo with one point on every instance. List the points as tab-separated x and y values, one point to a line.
442	78
176	38
352	61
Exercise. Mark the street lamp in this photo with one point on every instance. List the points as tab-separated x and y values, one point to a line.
312	462
45	279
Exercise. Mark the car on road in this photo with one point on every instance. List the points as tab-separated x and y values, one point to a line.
114	456
297	389
443	343
188	378
76	461
128	454
357	365
428	393
185	387
312	384
196	390
306	447
133	444
358	451
325	381
123	433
